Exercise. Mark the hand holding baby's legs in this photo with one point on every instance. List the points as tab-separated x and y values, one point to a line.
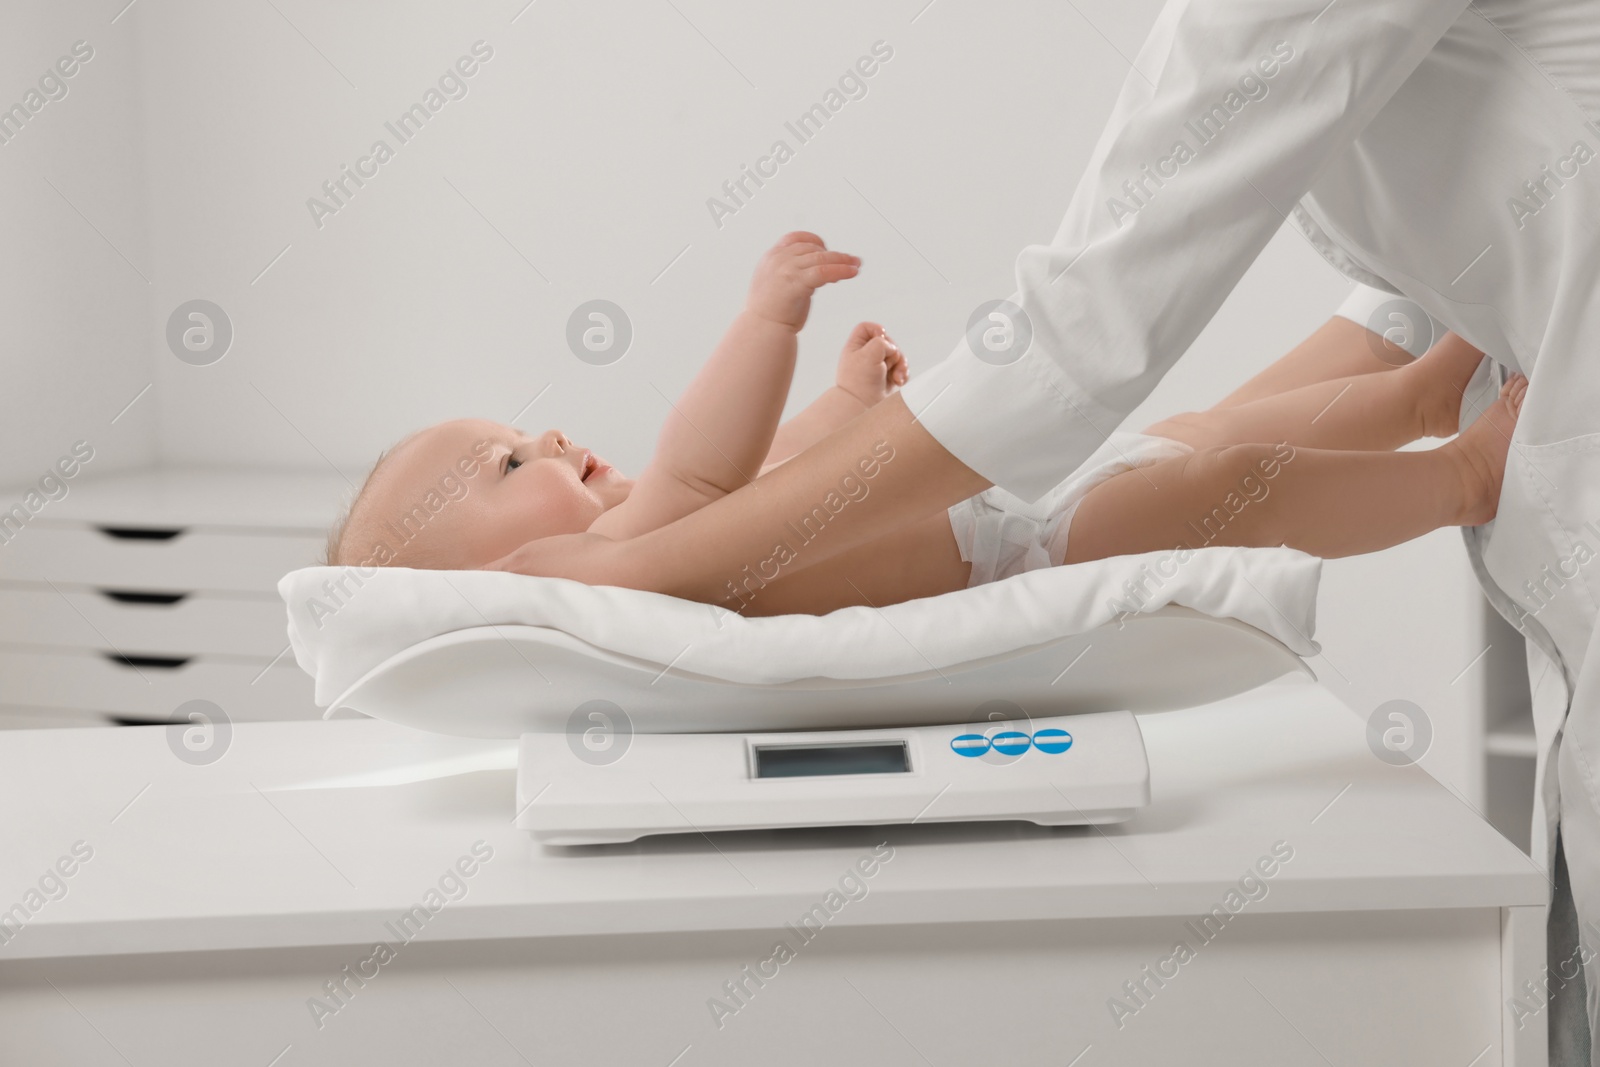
1326	502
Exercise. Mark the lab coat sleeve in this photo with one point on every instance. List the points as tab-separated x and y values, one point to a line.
1228	115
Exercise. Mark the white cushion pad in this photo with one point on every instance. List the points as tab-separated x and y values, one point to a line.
344	622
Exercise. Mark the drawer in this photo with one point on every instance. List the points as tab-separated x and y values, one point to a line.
175	559
143	621
49	718
246	691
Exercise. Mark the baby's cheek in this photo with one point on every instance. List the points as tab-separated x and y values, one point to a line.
573	509
596	505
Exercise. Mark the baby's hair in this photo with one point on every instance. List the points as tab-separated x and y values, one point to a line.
340	552
334	554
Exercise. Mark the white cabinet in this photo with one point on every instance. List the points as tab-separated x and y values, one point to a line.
142	590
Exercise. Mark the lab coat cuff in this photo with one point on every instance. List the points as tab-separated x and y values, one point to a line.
1397	319
1023	425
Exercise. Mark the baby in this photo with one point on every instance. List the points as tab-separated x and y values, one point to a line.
1302	455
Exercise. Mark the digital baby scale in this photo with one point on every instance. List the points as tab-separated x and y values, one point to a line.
1057	771
614	746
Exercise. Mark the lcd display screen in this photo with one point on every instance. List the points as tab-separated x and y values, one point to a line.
810	761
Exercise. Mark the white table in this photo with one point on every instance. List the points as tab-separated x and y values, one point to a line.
219	900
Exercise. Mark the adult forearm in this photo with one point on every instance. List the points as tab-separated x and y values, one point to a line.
861	482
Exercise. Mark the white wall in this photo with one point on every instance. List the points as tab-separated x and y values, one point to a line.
581	161
72	211
592	140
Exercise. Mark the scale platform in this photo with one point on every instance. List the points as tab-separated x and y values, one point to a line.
1057	771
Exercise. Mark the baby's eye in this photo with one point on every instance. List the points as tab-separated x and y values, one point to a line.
512	463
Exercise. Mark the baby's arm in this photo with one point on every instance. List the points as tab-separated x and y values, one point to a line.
871	367
717	433
694	558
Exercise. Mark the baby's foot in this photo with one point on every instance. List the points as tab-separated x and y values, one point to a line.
1480	453
1441	377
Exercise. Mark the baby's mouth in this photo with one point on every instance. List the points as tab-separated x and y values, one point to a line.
590	465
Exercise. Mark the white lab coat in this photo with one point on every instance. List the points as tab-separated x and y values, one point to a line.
1423	147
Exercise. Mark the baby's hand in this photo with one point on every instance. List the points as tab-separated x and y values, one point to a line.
871	367
787	275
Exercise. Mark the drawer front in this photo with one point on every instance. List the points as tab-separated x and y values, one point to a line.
12	718
189	560
245	691
195	624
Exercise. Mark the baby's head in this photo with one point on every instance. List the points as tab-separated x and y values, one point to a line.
464	493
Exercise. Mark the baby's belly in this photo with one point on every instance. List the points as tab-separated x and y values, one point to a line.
918	560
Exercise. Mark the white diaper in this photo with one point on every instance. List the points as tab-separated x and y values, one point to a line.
1002	535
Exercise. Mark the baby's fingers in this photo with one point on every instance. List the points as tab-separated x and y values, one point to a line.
862	335
819	268
895	368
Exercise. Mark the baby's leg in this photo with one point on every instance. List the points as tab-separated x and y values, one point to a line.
1367	411
1338	349
1327	503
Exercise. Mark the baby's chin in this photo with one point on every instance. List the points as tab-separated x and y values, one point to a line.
615	490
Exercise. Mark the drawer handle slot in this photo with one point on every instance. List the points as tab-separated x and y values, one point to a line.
141	533
163	662
140	596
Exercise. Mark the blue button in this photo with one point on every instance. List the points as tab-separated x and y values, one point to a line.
1052	741
969	745
1011	743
